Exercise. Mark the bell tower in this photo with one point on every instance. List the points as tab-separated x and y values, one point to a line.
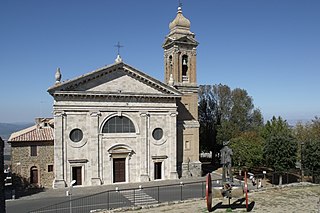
180	54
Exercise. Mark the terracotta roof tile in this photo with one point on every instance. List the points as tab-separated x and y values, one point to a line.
33	133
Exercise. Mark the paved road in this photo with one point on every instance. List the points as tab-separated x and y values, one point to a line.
298	197
104	197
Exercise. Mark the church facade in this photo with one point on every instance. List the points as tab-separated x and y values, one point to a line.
117	124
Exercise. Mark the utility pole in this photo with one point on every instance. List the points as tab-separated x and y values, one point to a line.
2	195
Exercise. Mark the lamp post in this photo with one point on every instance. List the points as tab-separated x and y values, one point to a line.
69	193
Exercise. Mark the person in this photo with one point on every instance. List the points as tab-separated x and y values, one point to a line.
253	181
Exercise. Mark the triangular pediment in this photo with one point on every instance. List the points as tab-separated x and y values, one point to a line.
115	79
182	40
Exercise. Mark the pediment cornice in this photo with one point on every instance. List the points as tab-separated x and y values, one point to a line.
184	40
71	85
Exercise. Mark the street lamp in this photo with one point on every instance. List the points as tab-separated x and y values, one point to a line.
69	193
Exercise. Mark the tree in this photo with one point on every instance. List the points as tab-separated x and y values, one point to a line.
311	156
247	150
225	114
280	150
309	137
207	118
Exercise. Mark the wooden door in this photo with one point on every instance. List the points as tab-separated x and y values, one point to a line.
77	175
157	170
119	170
34	175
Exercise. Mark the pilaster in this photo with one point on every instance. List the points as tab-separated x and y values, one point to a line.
94	148
173	145
144	147
59	152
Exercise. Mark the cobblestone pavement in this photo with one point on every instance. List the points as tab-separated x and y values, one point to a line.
291	198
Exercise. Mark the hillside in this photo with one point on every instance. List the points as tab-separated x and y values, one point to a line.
7	128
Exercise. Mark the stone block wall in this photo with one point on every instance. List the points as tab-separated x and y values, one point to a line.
22	161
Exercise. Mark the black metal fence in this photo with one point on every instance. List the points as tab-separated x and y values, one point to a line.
167	193
129	197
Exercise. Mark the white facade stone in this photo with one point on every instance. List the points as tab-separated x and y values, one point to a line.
149	105
88	102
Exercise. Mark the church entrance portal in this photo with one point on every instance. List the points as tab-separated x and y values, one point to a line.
119	170
77	175
157	170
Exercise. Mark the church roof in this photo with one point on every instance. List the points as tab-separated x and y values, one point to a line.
40	132
90	84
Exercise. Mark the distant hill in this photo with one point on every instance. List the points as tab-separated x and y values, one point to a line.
7	128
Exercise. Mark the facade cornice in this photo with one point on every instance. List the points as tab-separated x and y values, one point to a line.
114	95
120	97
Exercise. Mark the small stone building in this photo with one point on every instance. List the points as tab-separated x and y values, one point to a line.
32	153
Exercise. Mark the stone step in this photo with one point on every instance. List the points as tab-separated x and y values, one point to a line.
139	197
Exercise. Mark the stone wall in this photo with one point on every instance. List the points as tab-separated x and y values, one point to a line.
22	161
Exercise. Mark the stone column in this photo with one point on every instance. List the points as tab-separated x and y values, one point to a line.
176	64
193	67
94	149
59	152
166	67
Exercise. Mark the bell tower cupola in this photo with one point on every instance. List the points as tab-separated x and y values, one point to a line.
180	52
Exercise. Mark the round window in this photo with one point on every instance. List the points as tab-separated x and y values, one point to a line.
76	135
157	133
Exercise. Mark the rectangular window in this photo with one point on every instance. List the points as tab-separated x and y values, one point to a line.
33	150
187	145
50	168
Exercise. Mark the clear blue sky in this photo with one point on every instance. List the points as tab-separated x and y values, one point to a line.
271	48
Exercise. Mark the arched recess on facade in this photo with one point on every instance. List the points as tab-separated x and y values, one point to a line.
126	119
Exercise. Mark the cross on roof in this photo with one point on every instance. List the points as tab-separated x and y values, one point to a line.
118	46
180	4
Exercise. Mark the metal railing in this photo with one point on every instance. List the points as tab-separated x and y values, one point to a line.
151	195
129	197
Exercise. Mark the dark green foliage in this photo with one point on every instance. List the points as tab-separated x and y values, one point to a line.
311	155
280	150
247	150
225	114
309	140
207	109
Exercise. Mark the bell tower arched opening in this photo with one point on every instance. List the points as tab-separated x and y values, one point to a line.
184	68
